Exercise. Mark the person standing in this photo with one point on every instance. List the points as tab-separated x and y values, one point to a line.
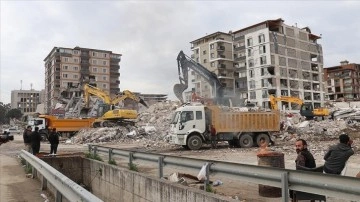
213	136
54	141
304	158
27	139
337	155
35	141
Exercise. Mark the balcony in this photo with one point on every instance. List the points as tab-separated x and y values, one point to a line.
239	48
239	38
242	58
221	48
221	66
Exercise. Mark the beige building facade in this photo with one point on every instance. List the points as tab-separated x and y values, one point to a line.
25	100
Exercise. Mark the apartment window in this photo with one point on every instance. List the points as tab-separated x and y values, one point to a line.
76	68
64	75
251	73
204	52
212	55
205	60
197	51
94	69
104	62
264	83
104	78
263	60
65	67
252	84
265	94
94	62
251	63
262	49
212	46
75	52
213	64
75	76
76	60
249	41
66	59
104	70
94	54
253	95
104	85
105	55
250	52
261	38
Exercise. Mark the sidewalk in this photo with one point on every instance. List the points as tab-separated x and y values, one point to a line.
14	185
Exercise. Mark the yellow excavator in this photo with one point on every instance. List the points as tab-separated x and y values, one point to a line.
306	109
113	116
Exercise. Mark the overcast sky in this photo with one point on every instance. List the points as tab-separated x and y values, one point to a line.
149	35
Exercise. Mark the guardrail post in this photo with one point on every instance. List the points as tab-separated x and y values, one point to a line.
110	154
58	197
95	150
285	187
131	158
161	166
43	183
89	146
206	182
33	172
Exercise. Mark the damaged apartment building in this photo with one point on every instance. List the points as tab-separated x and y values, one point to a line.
266	58
66	68
343	81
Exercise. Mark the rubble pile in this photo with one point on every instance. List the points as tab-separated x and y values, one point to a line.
151	128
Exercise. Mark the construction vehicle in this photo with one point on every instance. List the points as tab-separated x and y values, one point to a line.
184	64
111	115
67	127
190	126
306	109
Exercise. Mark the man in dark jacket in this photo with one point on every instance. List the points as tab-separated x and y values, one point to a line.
54	141
35	141
304	158
337	155
27	138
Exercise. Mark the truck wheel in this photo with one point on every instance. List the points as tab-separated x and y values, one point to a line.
194	142
262	136
44	136
246	141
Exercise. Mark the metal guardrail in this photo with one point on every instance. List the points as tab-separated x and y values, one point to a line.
341	187
64	186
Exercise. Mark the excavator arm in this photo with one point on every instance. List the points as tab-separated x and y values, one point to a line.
91	90
184	64
130	95
274	100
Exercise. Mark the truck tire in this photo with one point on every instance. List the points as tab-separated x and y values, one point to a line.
246	141
44	136
262	136
194	142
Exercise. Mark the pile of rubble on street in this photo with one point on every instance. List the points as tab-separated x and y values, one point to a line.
152	127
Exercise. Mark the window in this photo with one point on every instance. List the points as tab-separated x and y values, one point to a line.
264	83
76	68
76	60
205	60
261	38
251	63
105	55
213	64
262	49
249	41
104	85
94	62
94	69
252	95
104	62
66	59
264	94
212	46
75	76
251	73
197	51
65	67
187	116
204	52
250	52
75	52
212	55
263	60
94	54
64	75
104	70
252	84
198	115
104	78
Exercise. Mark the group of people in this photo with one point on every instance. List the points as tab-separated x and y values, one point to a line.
335	158
32	140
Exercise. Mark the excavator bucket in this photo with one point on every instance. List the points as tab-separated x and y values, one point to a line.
141	101
178	91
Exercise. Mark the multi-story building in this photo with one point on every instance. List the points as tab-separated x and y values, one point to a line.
343	81
65	67
25	100
268	57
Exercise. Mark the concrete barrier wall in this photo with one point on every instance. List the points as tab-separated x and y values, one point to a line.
71	166
111	183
